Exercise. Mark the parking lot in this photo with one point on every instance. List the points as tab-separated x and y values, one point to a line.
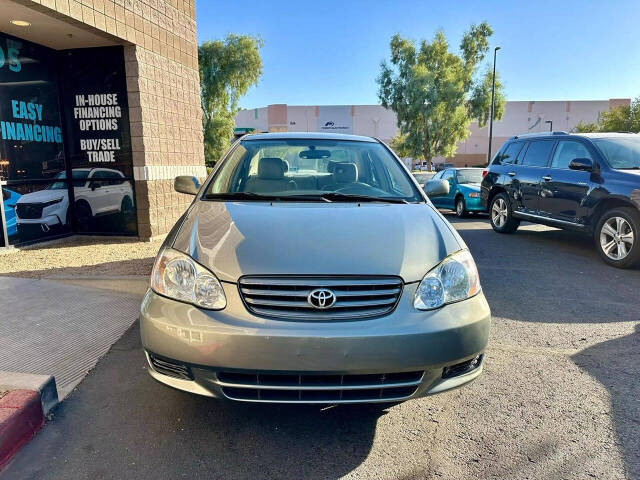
558	398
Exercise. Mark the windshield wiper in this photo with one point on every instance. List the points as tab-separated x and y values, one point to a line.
237	196
629	168
324	197
337	196
263	198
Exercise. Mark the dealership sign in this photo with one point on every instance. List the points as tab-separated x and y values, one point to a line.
336	119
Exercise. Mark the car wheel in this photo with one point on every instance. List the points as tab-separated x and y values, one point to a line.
461	207
126	207
617	235
84	217
127	212
67	219
501	215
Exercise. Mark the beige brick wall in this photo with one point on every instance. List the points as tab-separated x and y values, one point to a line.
161	58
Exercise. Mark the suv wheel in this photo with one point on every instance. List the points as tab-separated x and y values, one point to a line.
617	236
84	217
501	216
461	208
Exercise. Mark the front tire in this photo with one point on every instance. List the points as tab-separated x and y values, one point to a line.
84	217
461	208
617	235
501	214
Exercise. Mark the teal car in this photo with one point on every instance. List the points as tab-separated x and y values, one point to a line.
464	190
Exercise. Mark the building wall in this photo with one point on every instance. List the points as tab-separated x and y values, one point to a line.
161	56
375	121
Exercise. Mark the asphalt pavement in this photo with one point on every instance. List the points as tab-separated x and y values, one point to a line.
558	398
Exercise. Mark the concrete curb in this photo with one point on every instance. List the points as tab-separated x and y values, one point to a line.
21	417
23	409
44	385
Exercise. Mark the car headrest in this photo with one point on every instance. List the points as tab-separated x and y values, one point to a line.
345	173
270	168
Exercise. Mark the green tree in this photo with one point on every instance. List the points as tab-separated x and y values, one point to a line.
623	118
587	127
436	93
399	145
228	68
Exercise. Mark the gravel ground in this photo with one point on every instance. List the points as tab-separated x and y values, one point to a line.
82	256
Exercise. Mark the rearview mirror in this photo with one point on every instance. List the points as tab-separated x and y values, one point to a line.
314	154
585	164
186	184
435	188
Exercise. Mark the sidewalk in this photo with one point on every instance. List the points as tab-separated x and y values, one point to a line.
62	326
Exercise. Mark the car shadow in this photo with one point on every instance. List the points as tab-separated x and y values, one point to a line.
121	423
616	365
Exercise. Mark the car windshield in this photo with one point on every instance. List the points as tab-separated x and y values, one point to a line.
620	153
470	175
78	180
312	170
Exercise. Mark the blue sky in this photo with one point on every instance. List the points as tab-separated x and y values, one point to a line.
328	52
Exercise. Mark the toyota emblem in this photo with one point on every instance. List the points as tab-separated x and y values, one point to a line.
321	298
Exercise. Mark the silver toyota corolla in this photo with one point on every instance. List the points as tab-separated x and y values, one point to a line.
311	268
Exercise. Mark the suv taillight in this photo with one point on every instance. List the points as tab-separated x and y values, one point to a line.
484	173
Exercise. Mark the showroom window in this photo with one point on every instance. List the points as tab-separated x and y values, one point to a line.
64	114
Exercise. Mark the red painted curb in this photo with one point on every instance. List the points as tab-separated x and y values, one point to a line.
20	418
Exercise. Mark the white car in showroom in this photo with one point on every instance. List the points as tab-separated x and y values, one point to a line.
97	192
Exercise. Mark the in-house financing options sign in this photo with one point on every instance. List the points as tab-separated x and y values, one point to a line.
336	119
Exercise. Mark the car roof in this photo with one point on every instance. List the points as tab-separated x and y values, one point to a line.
608	135
307	136
555	135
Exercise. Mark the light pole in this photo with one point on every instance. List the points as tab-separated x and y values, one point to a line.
493	93
550	122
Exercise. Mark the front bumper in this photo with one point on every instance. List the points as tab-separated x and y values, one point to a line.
233	341
49	221
474	204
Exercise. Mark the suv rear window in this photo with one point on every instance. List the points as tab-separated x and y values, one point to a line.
508	155
537	155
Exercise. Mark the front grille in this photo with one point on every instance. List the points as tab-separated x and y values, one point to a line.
318	388
29	211
286	297
170	368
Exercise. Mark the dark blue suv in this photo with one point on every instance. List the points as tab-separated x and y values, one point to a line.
584	182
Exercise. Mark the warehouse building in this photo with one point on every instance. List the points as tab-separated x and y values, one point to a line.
99	111
376	121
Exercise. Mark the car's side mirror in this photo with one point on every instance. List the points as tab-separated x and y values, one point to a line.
435	188
186	184
585	164
94	185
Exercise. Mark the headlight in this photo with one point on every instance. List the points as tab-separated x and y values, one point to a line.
178	276
454	279
52	202
474	194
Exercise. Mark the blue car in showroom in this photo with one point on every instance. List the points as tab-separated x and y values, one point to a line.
464	190
10	198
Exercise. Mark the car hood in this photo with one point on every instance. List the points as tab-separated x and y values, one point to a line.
233	239
42	196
